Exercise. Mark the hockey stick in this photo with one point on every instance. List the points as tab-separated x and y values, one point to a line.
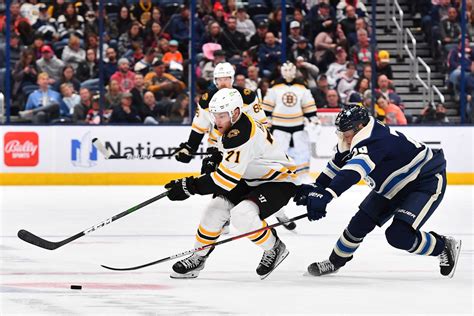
109	155
51	245
179	255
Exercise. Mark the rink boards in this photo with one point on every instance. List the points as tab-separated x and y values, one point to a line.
65	155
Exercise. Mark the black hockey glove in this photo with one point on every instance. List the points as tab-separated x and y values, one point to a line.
184	154
181	189
210	163
301	196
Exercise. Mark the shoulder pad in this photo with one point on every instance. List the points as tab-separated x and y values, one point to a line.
239	133
248	96
206	98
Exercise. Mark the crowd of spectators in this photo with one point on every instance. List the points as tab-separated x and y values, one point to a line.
440	22
55	56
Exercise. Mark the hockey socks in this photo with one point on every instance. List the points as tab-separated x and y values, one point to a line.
205	237
345	247
265	239
360	225
427	244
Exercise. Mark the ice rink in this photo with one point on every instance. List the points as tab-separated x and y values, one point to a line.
379	281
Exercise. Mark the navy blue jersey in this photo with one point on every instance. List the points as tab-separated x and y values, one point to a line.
386	159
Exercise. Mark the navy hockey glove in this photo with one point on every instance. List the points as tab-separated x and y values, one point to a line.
181	189
185	153
210	163
301	196
317	202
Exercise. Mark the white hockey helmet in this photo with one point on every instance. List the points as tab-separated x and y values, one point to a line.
223	70
288	71
226	100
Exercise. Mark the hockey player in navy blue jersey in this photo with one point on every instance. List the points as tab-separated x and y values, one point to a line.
408	182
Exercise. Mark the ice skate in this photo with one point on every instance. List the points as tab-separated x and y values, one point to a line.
448	259
271	259
289	225
321	268
226	228
190	267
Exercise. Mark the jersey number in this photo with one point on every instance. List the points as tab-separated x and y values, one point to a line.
361	150
231	153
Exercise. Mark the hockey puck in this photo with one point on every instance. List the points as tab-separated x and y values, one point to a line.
76	287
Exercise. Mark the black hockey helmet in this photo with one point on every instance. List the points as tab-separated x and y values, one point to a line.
351	116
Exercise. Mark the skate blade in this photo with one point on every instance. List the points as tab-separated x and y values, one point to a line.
189	275
458	252
282	257
308	274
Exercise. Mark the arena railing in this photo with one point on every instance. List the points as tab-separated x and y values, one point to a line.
398	21
413	58
438	93
427	93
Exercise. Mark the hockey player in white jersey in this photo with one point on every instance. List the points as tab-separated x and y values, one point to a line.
291	110
203	123
254	180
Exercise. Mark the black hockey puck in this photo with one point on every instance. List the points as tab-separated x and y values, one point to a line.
76	287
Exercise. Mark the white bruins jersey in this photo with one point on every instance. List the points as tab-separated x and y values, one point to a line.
251	154
203	123
288	104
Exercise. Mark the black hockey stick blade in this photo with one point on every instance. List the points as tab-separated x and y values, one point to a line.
38	241
182	254
51	245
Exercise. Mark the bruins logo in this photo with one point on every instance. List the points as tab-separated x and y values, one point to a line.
247	91
205	96
289	99
233	133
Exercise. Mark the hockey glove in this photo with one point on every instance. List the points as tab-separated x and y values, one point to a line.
184	154
301	196
318	200
181	189
210	163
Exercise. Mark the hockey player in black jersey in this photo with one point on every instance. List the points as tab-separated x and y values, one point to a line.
408	182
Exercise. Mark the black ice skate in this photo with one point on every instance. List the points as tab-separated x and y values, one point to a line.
289	225
271	259
322	268
190	267
448	259
226	228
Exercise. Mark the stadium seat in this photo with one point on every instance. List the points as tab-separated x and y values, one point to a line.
290	5
259	18
257	7
170	7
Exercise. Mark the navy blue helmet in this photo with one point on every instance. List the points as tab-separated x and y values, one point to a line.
351	116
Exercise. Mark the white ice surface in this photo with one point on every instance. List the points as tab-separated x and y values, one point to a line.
379	280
